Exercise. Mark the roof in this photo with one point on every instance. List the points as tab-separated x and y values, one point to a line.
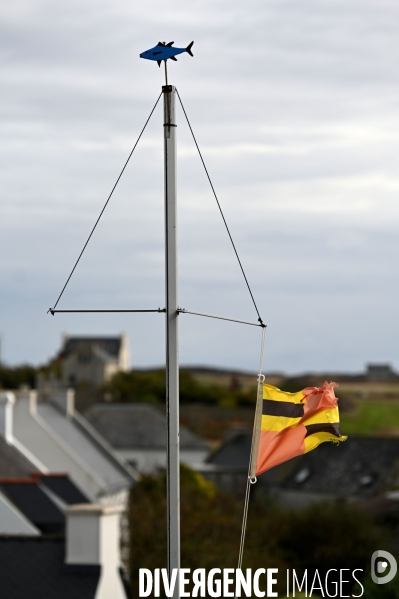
34	567
110	345
12	462
99	459
137	425
62	486
234	455
361	467
33	502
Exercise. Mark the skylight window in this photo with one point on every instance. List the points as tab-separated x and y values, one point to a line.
302	475
366	480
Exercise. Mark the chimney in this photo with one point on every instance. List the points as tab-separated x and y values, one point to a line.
27	400
64	399
7	401
32	402
93	538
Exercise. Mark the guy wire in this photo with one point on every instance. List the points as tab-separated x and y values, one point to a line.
221	211
106	203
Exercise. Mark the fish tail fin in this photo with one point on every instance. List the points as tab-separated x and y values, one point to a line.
188	49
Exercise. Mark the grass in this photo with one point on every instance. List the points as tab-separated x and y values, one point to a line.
371	417
376	416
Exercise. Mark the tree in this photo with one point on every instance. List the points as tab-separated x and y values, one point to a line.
14	378
321	536
150	386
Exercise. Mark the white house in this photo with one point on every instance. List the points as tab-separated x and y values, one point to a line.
55	438
92	360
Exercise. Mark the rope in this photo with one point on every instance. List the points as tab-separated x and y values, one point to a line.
250	481
221	211
105	205
253	324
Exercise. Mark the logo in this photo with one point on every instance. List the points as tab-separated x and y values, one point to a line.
379	564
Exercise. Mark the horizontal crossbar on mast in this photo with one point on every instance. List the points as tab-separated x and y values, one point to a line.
159	311
52	311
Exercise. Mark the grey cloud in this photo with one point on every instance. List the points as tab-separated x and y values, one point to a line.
295	108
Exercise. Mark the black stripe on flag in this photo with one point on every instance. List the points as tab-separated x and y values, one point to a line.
323	427
282	408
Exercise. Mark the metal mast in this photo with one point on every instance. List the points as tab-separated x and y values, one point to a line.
172	345
161	53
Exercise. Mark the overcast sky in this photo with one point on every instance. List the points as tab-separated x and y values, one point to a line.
295	106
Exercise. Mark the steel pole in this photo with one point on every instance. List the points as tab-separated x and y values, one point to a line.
172	345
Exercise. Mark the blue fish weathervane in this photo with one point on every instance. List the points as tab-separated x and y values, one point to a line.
164	51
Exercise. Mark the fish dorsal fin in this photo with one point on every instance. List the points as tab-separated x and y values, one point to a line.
170	44
160	44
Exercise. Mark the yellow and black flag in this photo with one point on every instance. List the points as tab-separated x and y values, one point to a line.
291	424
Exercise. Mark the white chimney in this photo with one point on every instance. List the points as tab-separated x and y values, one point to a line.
33	402
64	399
93	538
7	400
28	399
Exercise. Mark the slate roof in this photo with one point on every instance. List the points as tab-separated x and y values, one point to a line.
62	486
33	502
137	425
234	455
111	345
358	467
12	462
34	567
